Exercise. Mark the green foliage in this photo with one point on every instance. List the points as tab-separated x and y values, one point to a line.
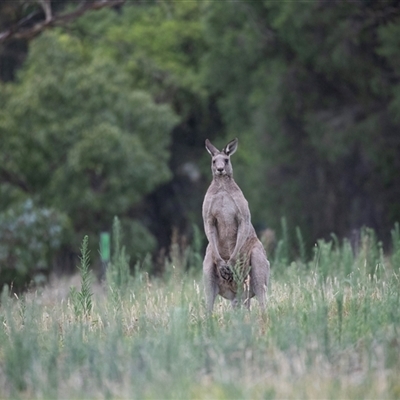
282	253
369	251
195	257
118	273
82	300
389	49
301	245
395	233
137	238
79	135
161	48
30	236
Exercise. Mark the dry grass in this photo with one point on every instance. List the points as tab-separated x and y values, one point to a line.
156	341
330	331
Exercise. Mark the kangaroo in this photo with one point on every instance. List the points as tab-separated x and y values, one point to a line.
234	252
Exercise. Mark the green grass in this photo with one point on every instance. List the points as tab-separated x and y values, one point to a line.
331	330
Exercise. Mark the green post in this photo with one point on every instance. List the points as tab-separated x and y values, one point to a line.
104	249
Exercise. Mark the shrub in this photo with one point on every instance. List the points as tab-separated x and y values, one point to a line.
29	238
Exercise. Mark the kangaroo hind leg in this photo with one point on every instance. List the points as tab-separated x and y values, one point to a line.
259	273
210	280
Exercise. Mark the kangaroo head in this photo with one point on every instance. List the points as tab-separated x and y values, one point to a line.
221	160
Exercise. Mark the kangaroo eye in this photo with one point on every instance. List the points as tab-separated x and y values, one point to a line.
226	160
213	161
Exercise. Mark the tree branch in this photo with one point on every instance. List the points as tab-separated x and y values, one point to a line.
20	32
13	179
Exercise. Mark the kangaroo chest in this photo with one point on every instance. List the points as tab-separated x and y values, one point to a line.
226	215
225	211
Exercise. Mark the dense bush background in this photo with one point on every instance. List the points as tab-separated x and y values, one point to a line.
107	114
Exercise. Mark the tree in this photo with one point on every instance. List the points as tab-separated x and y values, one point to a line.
77	136
161	46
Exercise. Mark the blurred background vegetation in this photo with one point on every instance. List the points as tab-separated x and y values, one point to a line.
105	106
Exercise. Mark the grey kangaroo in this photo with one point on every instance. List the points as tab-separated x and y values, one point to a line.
234	253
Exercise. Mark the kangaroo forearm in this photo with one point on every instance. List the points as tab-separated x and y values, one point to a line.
212	239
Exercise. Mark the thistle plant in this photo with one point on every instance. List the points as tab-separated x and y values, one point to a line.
240	273
82	300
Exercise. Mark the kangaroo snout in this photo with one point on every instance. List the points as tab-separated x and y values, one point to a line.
220	165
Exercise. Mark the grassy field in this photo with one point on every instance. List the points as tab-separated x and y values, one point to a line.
331	330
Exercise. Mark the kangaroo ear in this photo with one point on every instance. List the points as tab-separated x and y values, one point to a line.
211	148
231	147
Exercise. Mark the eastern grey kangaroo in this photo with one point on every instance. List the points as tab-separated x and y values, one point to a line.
234	252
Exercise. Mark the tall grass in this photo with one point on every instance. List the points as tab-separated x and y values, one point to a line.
331	330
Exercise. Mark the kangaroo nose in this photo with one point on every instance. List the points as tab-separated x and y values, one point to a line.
220	169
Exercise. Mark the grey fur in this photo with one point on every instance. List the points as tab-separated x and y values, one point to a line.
233	248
